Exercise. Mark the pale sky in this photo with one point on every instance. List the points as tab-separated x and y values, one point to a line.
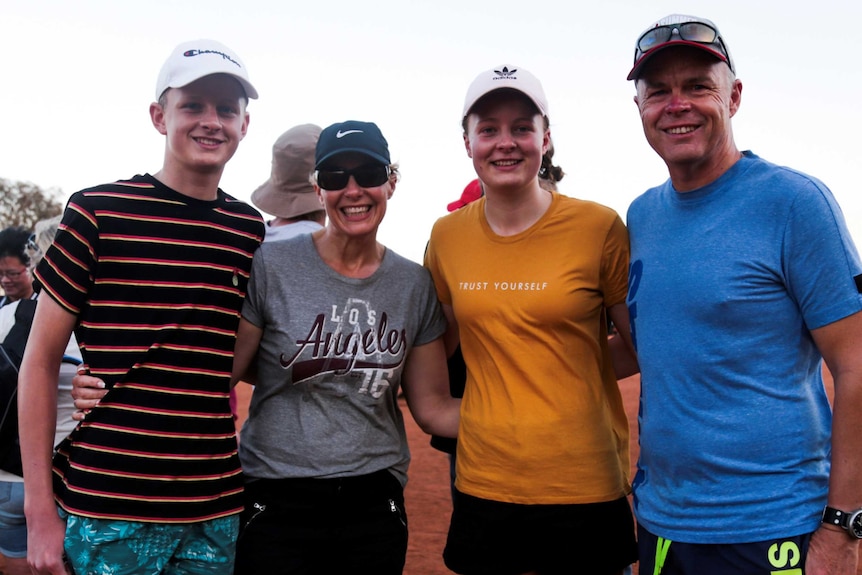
79	78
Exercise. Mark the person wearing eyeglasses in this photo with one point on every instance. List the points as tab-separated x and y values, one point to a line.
17	285
744	278
338	323
526	276
13	525
15	278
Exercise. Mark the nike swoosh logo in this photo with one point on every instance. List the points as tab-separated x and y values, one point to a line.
341	134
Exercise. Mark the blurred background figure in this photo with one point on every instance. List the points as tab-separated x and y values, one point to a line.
15	321
472	192
15	266
288	193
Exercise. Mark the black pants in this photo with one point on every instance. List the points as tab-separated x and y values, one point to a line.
323	526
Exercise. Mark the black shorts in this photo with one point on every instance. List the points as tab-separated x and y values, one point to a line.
785	555
491	537
323	526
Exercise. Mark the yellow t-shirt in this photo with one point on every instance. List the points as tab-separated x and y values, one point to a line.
542	420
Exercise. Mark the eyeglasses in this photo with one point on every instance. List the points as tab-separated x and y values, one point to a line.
32	245
365	176
689	31
11	274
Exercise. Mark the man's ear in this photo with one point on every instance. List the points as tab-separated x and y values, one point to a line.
157	116
735	97
244	129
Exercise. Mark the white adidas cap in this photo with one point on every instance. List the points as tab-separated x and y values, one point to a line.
506	77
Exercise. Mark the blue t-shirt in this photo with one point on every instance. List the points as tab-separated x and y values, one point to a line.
726	284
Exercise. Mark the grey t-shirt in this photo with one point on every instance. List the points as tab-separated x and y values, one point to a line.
330	362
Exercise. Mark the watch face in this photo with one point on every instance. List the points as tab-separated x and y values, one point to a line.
854	525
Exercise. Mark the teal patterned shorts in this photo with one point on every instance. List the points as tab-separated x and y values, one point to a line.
99	547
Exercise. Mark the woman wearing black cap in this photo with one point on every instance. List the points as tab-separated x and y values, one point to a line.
338	323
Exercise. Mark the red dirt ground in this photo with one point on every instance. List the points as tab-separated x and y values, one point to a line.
427	494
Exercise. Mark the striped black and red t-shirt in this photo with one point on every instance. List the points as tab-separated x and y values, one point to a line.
157	280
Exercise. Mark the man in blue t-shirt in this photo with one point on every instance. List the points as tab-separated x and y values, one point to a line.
743	279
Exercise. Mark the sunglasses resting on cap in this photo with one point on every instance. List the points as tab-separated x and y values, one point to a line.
677	29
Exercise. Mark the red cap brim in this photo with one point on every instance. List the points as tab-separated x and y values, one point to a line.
471	193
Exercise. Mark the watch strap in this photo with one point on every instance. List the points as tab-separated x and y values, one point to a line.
834	516
850	521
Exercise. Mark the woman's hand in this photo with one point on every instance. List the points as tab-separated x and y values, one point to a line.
87	391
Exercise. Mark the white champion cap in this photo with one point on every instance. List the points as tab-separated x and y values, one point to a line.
192	61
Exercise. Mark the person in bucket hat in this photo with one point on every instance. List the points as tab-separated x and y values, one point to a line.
150	273
744	278
288	194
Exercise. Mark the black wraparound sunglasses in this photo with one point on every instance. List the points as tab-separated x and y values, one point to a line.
365	176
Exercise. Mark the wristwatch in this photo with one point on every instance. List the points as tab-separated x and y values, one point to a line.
849	520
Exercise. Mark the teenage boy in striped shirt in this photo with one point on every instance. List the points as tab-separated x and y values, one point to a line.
150	273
